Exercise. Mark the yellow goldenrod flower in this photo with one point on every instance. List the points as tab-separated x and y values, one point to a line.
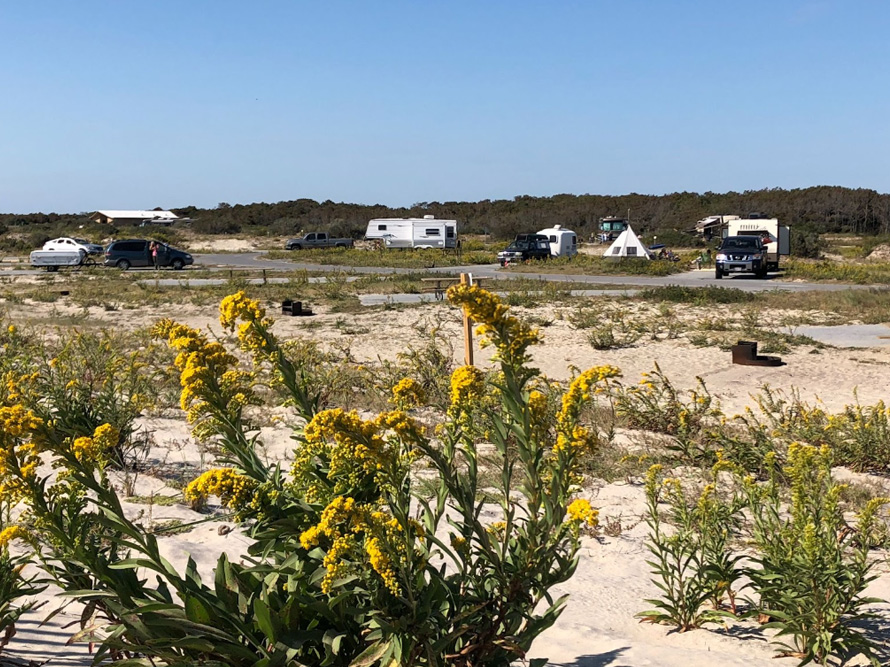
579	511
233	489
11	533
408	392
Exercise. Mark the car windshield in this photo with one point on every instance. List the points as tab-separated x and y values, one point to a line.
741	243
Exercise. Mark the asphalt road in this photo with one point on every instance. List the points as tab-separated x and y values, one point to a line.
703	278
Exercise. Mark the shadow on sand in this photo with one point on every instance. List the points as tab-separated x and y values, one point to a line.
606	659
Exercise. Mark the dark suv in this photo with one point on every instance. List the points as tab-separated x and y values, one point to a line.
136	252
526	246
741	254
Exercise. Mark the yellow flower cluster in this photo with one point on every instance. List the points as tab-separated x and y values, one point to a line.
408	393
94	448
17	421
233	489
511	336
11	533
354	450
573	438
207	375
579	512
343	522
467	386
252	332
537	407
580	390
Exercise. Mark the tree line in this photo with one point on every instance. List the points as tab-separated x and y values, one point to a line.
816	209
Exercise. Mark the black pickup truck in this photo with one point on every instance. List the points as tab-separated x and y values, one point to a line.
741	254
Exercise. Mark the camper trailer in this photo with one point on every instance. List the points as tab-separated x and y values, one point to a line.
776	237
563	242
425	232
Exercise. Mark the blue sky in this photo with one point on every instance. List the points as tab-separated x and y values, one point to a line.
125	104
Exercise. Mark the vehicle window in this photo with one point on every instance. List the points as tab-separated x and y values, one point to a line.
574	240
741	243
381	228
449	232
553	239
543	244
130	246
310	237
432	232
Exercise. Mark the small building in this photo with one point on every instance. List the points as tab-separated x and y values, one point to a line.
122	218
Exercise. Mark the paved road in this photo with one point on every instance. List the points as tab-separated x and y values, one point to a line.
704	278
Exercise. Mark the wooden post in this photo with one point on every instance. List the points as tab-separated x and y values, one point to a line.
466	279
264	276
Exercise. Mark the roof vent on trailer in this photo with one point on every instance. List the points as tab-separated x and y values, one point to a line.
429	217
557	226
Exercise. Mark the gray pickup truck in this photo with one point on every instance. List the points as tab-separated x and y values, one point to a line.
317	240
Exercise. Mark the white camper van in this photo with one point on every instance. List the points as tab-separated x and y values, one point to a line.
779	242
563	242
425	232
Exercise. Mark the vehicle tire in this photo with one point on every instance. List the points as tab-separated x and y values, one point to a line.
123	264
718	274
761	274
51	269
296	247
88	261
177	264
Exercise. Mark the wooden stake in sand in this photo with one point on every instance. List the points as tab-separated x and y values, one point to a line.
467	279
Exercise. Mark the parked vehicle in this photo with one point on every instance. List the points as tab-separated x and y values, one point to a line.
73	245
563	242
51	260
775	237
317	240
610	228
425	232
525	247
741	254
136	252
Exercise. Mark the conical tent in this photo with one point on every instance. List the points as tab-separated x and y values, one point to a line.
627	245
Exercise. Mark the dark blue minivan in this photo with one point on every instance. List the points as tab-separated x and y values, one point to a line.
135	252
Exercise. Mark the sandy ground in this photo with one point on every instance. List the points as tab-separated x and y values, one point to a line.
598	627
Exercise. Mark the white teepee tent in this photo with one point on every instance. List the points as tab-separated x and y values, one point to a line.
627	245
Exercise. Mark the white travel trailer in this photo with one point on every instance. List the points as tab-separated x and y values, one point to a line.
563	242
779	243
425	232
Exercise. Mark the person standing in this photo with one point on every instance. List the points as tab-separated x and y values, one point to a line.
153	248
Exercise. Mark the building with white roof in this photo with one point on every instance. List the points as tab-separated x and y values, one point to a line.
136	217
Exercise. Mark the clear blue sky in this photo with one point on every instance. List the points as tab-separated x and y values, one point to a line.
125	104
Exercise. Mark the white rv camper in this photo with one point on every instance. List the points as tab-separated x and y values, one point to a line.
563	242
779	236
425	232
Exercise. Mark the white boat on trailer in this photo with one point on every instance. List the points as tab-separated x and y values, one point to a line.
51	260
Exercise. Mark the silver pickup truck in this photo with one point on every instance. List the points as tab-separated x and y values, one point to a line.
317	240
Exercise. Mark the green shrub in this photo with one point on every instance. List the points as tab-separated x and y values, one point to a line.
812	572
693	562
697	296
